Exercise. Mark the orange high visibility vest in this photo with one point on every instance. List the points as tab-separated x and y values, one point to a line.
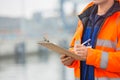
106	55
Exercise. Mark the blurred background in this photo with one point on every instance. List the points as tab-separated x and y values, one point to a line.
23	23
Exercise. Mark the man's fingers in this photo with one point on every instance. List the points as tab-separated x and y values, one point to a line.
78	46
62	56
66	59
79	49
80	52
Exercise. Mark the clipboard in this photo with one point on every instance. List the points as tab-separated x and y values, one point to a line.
58	49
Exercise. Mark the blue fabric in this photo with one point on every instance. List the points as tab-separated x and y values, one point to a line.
90	33
87	70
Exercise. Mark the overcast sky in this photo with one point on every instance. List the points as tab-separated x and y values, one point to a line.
17	8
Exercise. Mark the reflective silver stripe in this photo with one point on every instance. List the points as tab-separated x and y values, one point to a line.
104	78
77	78
118	49
106	43
104	60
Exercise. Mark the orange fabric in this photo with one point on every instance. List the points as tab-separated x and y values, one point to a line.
79	30
105	48
77	36
78	33
76	66
94	55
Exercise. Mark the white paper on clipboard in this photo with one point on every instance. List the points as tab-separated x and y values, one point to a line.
59	49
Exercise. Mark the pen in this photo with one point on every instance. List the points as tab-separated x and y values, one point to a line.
86	42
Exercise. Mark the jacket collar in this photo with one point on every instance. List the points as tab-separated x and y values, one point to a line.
112	10
89	10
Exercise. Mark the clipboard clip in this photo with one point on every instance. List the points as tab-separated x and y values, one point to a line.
45	39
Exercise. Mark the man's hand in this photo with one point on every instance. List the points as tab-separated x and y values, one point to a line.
82	51
66	60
